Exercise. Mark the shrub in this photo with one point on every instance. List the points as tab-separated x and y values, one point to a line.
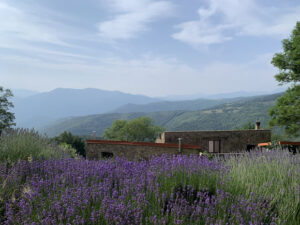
24	144
68	150
75	142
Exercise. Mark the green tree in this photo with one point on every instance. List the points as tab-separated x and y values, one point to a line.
140	129
118	131
6	117
246	126
75	142
286	111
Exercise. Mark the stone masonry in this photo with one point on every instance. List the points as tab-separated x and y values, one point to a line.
230	141
99	149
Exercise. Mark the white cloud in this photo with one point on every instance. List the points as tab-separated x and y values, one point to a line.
18	25
133	17
150	75
224	19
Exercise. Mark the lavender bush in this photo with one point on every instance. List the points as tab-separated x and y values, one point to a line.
163	190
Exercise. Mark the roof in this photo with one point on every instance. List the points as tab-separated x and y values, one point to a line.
199	131
167	145
280	143
289	143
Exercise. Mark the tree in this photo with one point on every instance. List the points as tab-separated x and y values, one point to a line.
286	111
140	129
6	117
72	140
118	131
246	126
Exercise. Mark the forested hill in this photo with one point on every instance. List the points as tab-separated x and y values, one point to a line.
186	105
221	117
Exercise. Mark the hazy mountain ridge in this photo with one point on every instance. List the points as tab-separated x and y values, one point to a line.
43	108
33	109
187	105
236	94
221	117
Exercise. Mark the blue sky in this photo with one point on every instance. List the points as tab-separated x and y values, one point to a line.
151	47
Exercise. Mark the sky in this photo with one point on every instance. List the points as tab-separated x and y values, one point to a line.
150	47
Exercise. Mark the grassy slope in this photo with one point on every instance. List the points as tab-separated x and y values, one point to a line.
187	105
225	116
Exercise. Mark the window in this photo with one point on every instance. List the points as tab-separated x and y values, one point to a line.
214	146
107	155
250	147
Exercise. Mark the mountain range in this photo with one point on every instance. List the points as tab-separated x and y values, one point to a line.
224	116
38	110
52	109
187	105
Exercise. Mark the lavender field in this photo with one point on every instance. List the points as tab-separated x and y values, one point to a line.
258	188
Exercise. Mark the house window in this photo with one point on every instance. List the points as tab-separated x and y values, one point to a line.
107	155
250	147
214	146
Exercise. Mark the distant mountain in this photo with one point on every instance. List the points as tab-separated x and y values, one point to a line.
23	93
223	95
221	117
43	108
187	105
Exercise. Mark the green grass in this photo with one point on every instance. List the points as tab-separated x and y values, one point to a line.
275	176
24	144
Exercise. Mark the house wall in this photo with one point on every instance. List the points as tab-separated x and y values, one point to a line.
230	141
95	150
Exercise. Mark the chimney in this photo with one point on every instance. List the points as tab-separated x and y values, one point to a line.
179	145
257	125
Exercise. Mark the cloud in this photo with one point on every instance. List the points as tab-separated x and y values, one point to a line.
132	17
223	20
150	75
18	25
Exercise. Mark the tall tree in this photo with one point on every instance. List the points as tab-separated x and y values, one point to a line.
140	129
286	111
6	117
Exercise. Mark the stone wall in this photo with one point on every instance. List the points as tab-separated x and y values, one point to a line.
230	141
134	150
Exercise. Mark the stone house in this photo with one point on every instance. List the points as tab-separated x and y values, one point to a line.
100	149
223	141
181	142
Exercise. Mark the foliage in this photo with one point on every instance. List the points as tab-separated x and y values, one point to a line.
6	117
23	144
140	129
75	142
69	150
260	188
286	112
246	126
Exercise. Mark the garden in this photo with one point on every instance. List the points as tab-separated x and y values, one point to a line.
51	186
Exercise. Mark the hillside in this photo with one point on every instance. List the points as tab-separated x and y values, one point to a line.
43	108
186	105
221	117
